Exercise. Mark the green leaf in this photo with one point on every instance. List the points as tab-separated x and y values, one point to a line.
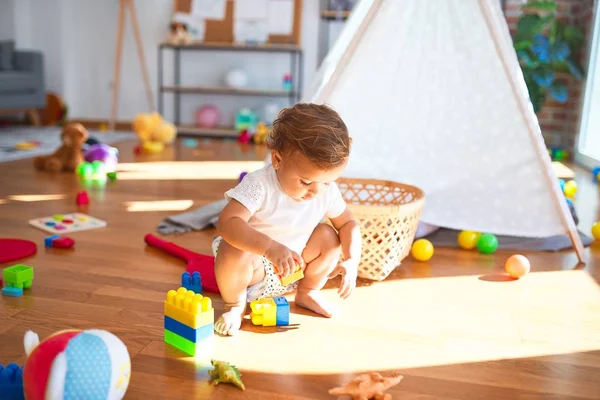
575	70
574	36
528	23
541	5
522	44
527	59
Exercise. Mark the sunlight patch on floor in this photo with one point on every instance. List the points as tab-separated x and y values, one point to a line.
36	197
3	201
414	323
159	205
196	170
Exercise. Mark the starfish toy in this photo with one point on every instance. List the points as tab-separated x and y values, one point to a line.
368	386
225	372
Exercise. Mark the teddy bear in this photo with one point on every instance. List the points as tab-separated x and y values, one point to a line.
69	155
153	132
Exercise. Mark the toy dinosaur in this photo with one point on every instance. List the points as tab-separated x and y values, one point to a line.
368	386
225	372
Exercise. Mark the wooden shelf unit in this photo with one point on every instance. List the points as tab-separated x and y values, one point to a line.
179	89
226	91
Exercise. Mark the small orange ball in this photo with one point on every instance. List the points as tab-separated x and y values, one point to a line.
517	266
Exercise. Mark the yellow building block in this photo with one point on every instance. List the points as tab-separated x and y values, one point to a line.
264	312
293	277
189	308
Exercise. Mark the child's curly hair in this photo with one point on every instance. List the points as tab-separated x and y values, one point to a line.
315	131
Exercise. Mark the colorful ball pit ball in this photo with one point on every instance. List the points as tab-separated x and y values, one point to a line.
92	364
596	230
487	243
467	240
517	266
422	250
570	189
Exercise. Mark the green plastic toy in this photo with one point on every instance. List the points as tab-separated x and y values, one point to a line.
227	373
18	276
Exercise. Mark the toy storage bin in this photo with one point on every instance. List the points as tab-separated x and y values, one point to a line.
388	213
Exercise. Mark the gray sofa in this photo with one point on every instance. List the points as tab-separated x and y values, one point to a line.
22	85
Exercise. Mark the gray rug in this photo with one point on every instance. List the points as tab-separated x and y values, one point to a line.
447	238
49	138
206	216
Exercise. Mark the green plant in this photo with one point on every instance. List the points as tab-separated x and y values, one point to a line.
547	49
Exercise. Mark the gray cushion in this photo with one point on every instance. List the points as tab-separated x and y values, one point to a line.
7	49
12	81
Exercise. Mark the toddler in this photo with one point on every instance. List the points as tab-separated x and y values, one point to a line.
275	217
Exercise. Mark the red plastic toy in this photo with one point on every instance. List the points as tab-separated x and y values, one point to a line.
82	199
59	242
195	262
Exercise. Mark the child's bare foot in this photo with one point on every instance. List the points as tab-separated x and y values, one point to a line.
229	323
314	301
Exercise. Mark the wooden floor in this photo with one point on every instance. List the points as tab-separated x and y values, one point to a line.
448	326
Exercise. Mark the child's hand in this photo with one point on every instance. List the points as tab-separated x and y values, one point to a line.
283	259
349	271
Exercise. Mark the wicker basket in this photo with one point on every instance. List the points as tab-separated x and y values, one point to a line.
388	214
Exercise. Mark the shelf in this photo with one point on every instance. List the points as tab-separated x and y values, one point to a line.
220	131
227	91
335	15
274	47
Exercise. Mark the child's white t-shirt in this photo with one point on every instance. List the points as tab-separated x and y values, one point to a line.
280	217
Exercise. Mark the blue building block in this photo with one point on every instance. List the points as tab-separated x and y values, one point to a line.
193	282
12	291
49	239
11	382
283	311
186	332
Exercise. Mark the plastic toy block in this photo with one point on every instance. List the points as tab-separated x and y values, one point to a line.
12	291
59	242
189	308
112	176
283	311
193	349
49	239
192	282
82	199
293	277
193	335
11	382
264	312
19	276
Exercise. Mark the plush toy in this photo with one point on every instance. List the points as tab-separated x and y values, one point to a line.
104	153
262	131
69	155
179	34
75	364
154	132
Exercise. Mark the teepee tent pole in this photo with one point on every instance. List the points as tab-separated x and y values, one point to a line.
349	52
510	66
123	4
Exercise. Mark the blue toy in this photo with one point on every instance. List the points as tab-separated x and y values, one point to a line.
596	174
12	291
192	282
562	185
246	120
11	382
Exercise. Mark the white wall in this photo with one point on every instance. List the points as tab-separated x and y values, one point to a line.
78	38
7	25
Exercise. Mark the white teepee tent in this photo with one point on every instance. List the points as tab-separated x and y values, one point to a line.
433	95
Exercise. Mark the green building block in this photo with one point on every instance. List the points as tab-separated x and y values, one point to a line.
18	276
199	349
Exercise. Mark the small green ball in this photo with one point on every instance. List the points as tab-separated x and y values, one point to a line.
487	243
85	169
